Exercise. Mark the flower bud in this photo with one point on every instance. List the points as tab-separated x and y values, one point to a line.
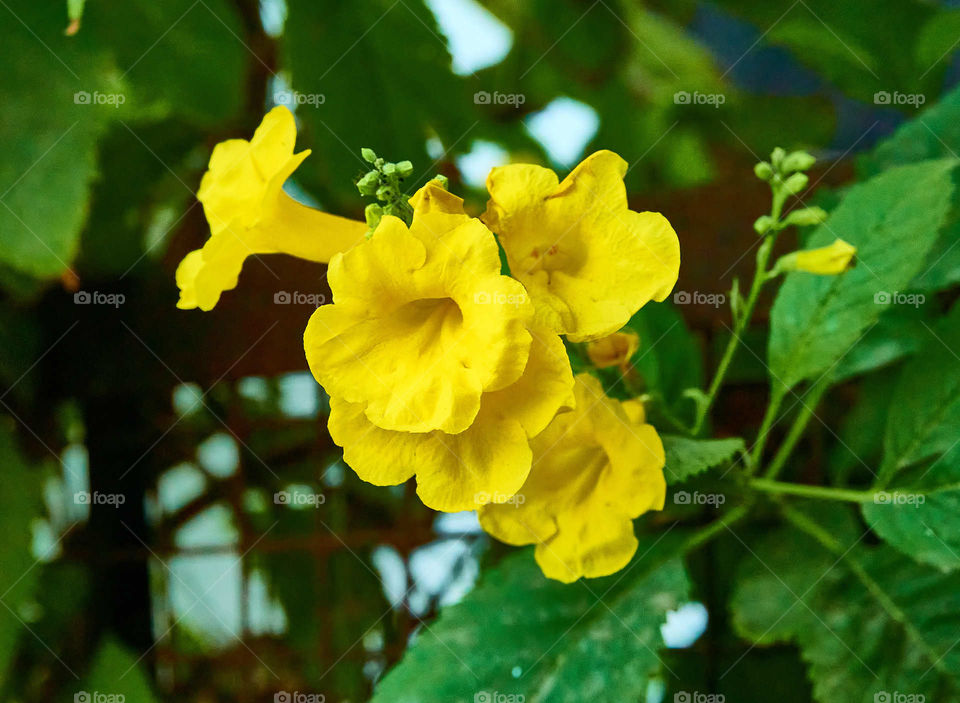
806	216
368	155
369	183
763	224
826	261
389	169
405	168
776	157
796	183
797	161
613	350
763	171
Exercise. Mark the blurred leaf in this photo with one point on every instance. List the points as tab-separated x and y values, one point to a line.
688	457
115	671
866	619
898	333
893	220
19	506
520	633
384	73
934	134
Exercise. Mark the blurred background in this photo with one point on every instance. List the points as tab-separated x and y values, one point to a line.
176	521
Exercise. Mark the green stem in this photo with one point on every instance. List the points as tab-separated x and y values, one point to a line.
799	426
777	393
806	491
714	528
739	325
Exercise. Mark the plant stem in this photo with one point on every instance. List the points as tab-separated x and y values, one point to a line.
714	528
806	491
798	427
777	393
739	325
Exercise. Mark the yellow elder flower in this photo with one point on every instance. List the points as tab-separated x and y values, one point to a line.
248	212
827	261
613	350
594	470
486	463
422	323
587	260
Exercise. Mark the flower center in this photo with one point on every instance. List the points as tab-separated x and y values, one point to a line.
433	317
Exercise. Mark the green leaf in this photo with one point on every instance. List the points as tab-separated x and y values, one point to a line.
899	332
688	457
520	633
383	71
924	414
927	531
19	505
115	672
866	619
893	220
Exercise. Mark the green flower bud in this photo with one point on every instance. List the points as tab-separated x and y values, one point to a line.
369	183
763	224
405	168
389	169
763	171
372	214
797	161
368	155
806	216
796	183
443	181
776	157
384	192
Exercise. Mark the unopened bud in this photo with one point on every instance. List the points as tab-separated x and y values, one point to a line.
763	171
368	155
797	161
796	183
763	224
805	217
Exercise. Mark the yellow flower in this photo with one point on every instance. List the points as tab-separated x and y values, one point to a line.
587	260
422	323
487	462
249	214
827	261
613	350
594	470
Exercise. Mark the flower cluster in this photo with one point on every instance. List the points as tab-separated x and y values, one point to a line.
441	366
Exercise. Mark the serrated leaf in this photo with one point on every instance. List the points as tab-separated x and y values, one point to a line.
688	457
867	620
522	634
893	220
